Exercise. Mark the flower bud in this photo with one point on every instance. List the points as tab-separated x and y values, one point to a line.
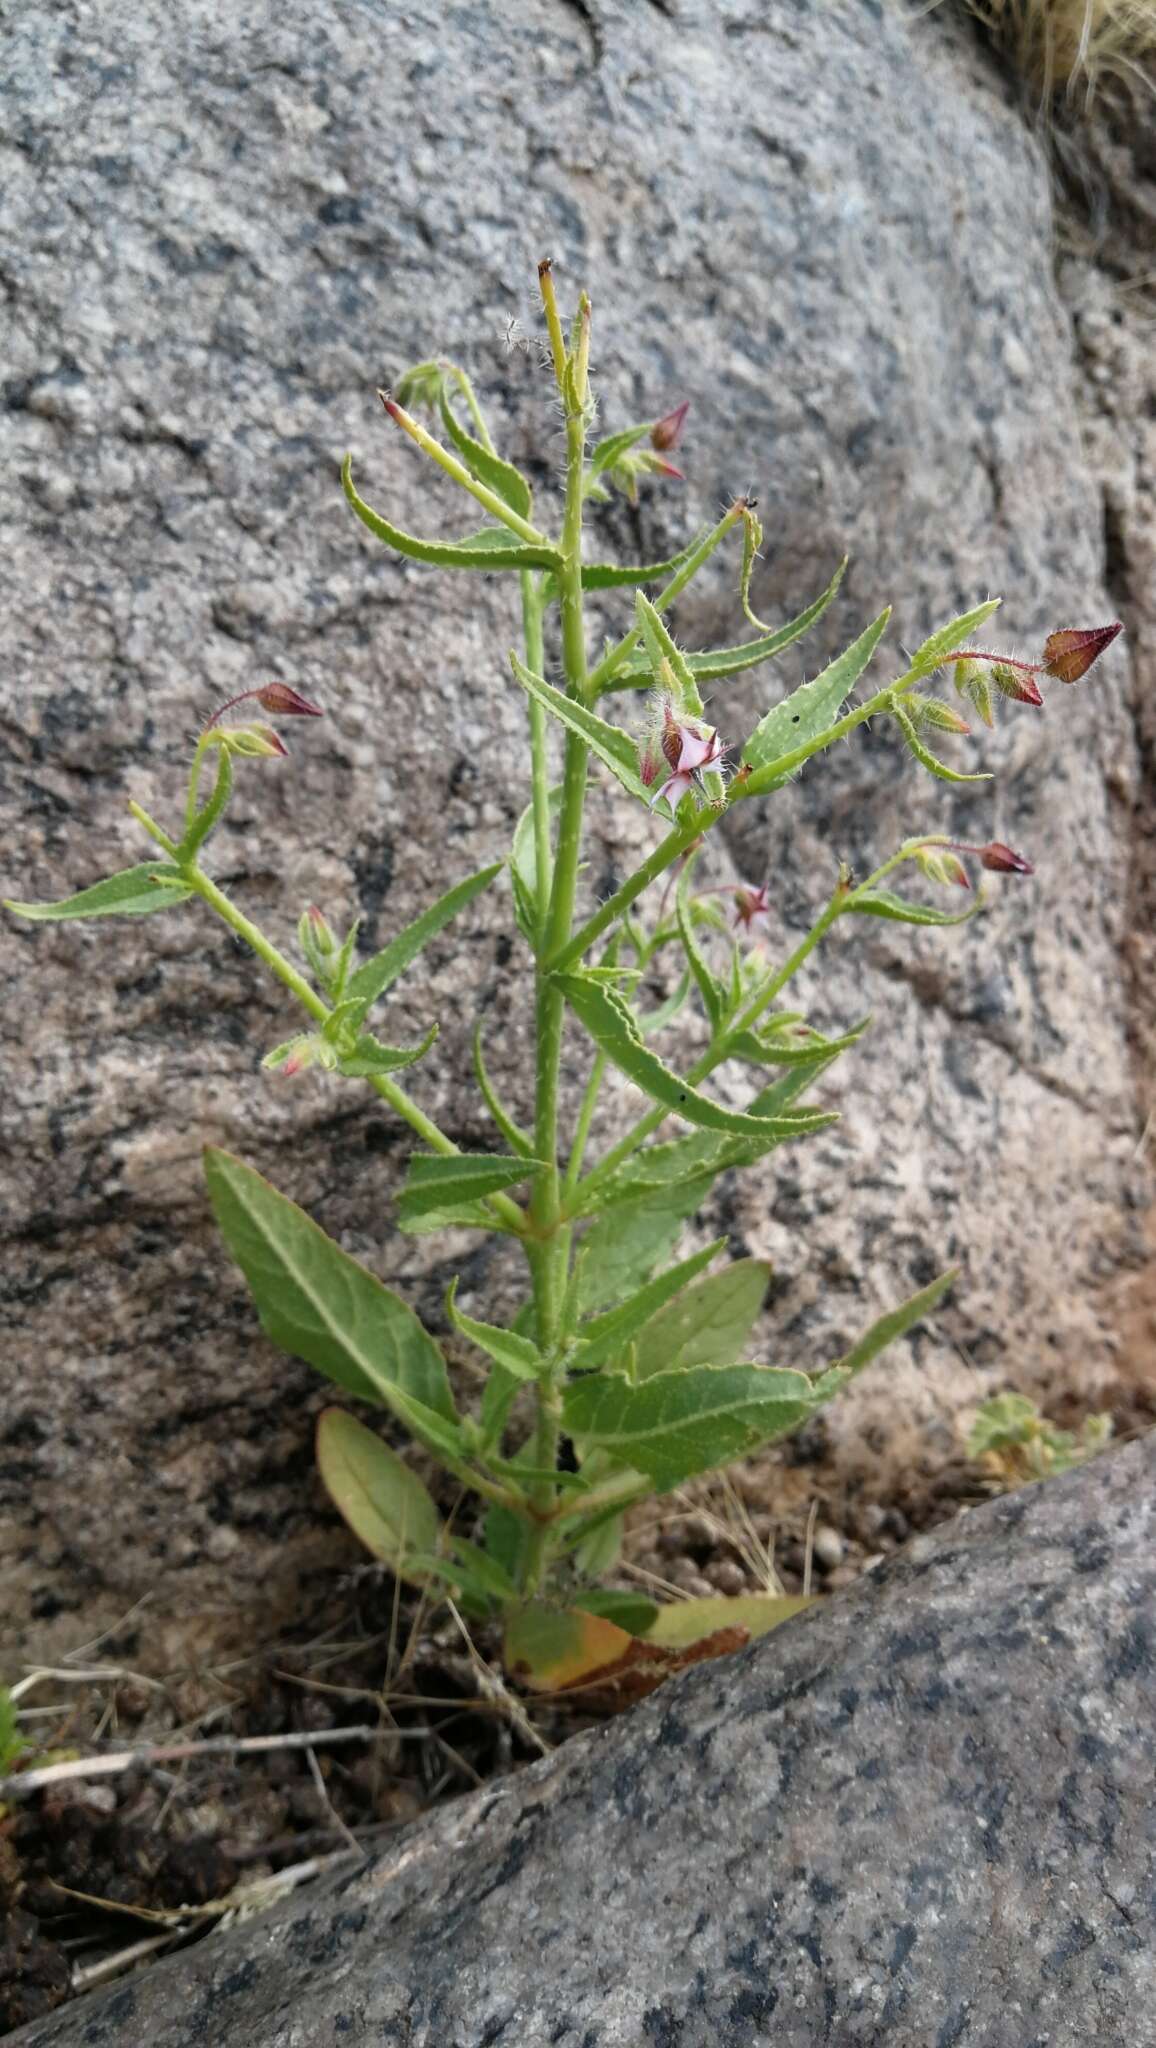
933	712
1002	860
420	386
1069	654
942	866
288	703
1016	679
667	432
973	683
752	906
253	742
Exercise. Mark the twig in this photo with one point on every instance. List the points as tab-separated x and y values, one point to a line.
83	1979
495	1691
22	1782
328	1807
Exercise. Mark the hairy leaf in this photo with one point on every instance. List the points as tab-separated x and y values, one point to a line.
374	976
615	576
707	982
946	639
884	903
154	885
884	1331
529	912
370	1056
660	647
811	709
518	1139
494	547
622	1249
613	746
439	1187
924	755
714	663
514	1354
503	479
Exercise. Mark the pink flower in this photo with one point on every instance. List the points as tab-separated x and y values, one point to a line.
752	906
688	750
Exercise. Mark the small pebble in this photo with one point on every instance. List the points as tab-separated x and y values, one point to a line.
870	1563
726	1576
872	1518
828	1547
843	1575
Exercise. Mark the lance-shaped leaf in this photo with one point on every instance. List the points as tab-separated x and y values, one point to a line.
607	1336
317	1302
507	482
707	1324
623	1249
631	1611
924	755
440	1189
768	1047
608	451
811	709
712	664
506	1348
683	1622
522	863
618	576
134	892
661	648
518	1139
384	1503
885	903
370	1056
613	746
707	982
374	976
884	1331
946	639
677	1424
612	1027
752	542
492	548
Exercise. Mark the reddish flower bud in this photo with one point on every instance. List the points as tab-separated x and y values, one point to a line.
1016	679
752	906
278	697
1069	654
666	432
1002	860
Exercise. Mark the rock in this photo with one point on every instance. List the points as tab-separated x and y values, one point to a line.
223	230
828	1547
922	1813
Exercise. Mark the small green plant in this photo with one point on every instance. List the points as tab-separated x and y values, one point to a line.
12	1743
633	1367
1015	1443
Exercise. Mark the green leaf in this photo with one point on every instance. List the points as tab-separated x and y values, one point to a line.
940	644
613	747
615	576
384	1503
439	1187
712	664
507	482
518	1139
677	1424
374	976
924	755
653	1021
317	1302
684	1622
154	885
766	1047
708	1324
660	647
884	903
493	548
811	709
12	1743
708	984
883	1332
631	1611
752	542
516	1355
607	1335
607	452
482	1572
522	864
370	1056
621	1250
612	1027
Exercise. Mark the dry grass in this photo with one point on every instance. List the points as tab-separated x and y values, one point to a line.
1072	47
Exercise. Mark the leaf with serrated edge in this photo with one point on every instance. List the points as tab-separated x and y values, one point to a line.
677	1424
436	1181
616	576
714	663
507	482
515	1354
492	548
384	1503
884	903
374	976
621	1250
370	1056
613	1029
708	1324
707	982
946	639
608	1335
613	747
317	1302
134	892
808	712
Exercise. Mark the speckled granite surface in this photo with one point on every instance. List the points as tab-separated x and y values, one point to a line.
923	1815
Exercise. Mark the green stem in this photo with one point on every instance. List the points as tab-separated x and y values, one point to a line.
539	763
199	824
664	855
582	1128
431	446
